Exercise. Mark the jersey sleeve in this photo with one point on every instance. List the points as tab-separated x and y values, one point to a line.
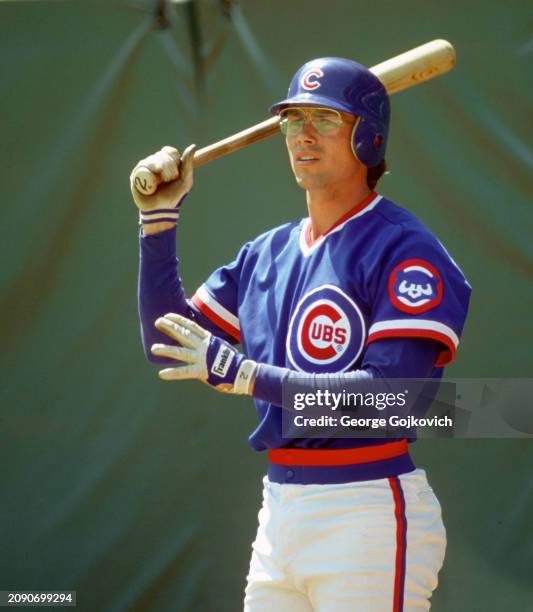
421	293
218	298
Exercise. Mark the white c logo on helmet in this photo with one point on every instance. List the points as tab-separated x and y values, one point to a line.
309	77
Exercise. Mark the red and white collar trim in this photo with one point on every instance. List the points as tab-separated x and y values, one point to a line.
307	245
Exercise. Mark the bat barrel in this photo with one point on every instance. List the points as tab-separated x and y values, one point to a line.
416	66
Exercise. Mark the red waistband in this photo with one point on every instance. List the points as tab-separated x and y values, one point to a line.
341	456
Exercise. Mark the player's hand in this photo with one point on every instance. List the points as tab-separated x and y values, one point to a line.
176	175
203	356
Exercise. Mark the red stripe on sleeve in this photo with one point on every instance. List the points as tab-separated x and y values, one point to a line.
445	357
216	319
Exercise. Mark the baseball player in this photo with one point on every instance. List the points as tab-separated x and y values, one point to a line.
359	289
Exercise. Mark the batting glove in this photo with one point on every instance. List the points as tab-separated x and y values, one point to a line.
205	356
176	182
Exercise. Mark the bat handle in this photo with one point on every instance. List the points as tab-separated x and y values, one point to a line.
145	181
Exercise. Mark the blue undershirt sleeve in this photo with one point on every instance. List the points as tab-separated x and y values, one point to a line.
387	358
160	291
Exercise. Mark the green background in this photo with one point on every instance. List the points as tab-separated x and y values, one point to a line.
142	495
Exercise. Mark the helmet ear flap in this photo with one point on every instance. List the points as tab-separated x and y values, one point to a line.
368	142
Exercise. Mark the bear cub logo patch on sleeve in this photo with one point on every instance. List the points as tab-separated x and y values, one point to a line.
415	286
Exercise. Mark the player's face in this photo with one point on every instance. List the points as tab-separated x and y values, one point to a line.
319	145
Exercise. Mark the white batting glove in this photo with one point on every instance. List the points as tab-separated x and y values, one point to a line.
205	356
176	175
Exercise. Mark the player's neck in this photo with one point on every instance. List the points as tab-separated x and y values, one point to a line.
326	206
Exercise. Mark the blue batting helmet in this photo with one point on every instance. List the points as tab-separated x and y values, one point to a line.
349	87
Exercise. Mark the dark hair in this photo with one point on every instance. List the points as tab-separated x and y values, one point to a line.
375	173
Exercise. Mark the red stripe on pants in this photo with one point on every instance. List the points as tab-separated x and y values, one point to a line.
401	532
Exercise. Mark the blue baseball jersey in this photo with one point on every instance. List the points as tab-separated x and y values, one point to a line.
316	306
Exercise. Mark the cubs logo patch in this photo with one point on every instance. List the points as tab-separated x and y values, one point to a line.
326	332
309	78
415	286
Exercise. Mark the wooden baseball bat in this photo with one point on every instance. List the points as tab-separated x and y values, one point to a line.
400	72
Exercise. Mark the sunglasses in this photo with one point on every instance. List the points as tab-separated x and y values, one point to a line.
324	120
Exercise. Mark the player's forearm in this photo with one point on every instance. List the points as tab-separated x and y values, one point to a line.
387	359
159	287
270	381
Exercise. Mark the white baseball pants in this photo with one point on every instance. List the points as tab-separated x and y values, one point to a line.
372	546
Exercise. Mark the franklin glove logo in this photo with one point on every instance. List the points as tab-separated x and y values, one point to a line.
222	361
